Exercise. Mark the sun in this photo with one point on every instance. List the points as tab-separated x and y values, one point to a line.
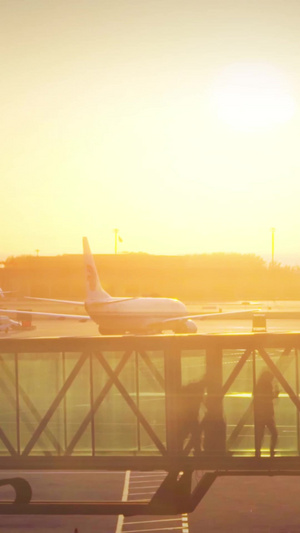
253	97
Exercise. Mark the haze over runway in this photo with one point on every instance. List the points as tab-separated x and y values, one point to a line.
176	122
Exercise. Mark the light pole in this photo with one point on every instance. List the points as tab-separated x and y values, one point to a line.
273	244
116	231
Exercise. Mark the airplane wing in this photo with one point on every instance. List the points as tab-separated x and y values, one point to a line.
224	313
40	314
72	302
53	300
209	315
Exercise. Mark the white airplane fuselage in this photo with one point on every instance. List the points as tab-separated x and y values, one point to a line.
137	315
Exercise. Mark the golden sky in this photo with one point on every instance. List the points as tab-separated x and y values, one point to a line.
175	121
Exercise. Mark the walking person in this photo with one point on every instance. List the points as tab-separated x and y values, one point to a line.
264	395
190	399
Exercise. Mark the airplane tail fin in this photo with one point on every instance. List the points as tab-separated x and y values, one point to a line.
94	290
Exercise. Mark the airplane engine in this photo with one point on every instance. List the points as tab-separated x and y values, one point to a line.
104	331
186	327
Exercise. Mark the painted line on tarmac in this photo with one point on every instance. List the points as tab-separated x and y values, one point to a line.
135	486
124	498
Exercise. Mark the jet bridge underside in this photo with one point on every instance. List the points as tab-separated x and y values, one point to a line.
114	403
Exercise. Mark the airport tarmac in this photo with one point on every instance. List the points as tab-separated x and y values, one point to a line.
242	504
232	505
74	328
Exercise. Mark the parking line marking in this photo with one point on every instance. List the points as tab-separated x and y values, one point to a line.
124	498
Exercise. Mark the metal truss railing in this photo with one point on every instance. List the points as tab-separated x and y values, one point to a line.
113	403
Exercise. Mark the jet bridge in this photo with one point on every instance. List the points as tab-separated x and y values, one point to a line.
114	403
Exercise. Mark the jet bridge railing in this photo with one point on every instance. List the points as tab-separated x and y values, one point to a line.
116	403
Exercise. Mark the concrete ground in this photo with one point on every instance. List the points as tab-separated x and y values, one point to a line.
241	505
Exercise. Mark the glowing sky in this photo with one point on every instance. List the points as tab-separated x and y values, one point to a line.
176	122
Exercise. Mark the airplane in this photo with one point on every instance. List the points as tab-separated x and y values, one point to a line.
7	324
3	293
118	316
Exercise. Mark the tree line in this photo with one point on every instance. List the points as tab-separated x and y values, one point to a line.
212	277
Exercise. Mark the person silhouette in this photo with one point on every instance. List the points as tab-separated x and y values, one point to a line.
190	399
264	393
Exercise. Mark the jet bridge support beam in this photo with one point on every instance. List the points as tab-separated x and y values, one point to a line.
215	428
